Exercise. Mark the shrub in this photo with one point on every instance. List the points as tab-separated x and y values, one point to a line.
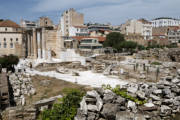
66	108
156	63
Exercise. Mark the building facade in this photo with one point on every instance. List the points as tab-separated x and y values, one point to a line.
139	31
174	36
11	39
89	44
78	31
28	24
165	22
70	18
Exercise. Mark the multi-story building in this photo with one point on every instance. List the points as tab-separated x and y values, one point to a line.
11	39
78	31
70	18
165	22
174	36
89	44
28	24
138	31
97	27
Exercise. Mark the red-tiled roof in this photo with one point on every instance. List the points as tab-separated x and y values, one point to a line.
79	38
9	23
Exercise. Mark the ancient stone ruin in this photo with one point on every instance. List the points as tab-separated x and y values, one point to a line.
163	102
168	54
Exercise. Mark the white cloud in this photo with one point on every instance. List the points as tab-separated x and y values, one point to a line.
114	11
53	5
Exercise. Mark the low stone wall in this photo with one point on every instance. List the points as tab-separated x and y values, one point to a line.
163	102
168	54
19	113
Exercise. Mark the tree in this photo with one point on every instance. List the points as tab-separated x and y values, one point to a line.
9	62
113	39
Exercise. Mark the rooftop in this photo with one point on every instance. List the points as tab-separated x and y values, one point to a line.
165	18
9	23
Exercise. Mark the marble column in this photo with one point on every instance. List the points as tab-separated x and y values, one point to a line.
32	51
39	44
29	44
49	54
43	44
34	43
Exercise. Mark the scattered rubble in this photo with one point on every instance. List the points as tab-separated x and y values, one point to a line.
162	102
21	85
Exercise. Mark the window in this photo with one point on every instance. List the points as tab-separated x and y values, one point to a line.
46	22
11	45
5	29
11	39
0	45
5	45
16	39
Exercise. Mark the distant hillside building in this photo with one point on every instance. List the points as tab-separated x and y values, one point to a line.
11	39
165	22
70	18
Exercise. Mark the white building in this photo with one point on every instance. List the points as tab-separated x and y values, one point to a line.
78	31
28	24
165	22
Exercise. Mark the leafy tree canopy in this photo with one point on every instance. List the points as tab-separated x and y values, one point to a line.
113	39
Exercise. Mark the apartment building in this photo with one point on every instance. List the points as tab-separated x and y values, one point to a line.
26	24
174	36
70	18
78	31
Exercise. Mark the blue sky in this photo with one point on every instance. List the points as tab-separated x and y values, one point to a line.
104	11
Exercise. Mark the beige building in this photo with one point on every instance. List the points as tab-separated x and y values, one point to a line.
11	39
45	22
139	27
70	18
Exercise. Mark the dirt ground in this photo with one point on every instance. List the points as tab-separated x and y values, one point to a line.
47	87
